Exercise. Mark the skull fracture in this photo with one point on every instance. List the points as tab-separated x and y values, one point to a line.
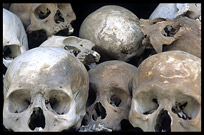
167	93
45	89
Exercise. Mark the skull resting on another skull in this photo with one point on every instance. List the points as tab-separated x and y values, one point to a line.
167	93
45	89
49	17
108	104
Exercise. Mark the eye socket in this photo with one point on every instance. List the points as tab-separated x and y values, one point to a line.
42	12
118	97
19	101
186	107
146	103
58	102
11	51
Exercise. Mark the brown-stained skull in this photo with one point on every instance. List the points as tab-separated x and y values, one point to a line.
167	93
109	95
179	34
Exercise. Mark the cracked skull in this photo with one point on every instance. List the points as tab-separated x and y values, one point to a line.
115	31
15	39
167	93
80	48
47	16
179	34
108	104
45	89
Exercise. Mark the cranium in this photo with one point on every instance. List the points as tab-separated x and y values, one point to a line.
15	39
80	48
47	16
167	93
109	98
45	89
179	34
115	31
174	10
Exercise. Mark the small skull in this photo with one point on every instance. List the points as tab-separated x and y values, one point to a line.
115	31
174	10
45	89
109	98
80	48
15	39
47	16
179	34
167	93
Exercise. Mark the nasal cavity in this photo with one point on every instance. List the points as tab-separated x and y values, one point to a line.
163	122
37	119
99	111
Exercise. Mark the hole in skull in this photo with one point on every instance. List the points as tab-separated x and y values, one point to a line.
11	51
99	111
163	122
146	102
42	12
59	102
186	107
37	119
169	31
115	101
126	126
72	50
58	17
91	97
19	101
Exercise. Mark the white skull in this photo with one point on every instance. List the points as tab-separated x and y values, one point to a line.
109	98
80	48
115	31
173	10
47	16
45	89
167	93
15	39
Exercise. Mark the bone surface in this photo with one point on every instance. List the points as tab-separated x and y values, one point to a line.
115	31
45	89
80	48
109	96
167	93
15	39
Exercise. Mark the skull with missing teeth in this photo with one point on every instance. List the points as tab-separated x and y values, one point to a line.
15	39
80	48
109	96
115	31
47	16
167	93
45	89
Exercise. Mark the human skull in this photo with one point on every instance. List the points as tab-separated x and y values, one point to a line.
110	85
80	48
179	34
47	16
115	31
167	93
45	89
15	39
174	10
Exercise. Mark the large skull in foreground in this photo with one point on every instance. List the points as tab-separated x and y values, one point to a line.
45	89
115	31
110	85
15	39
179	34
47	16
80	48
167	93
